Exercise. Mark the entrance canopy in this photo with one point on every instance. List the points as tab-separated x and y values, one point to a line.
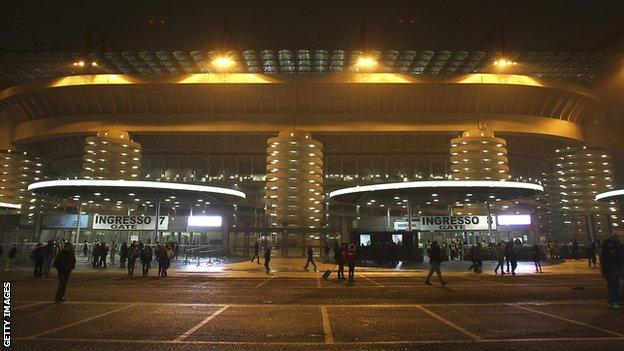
613	195
450	190
129	190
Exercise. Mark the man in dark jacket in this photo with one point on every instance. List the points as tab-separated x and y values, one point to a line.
123	255
267	259
147	256
37	256
435	260
64	263
611	266
11	257
310	254
103	255
256	249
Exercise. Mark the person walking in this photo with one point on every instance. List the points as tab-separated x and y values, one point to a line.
478	258
351	259
508	253
499	252
64	263
326	252
147	256
37	256
611	267
168	258
133	253
310	254
85	249
513	257
340	259
256	249
10	258
48	257
591	254
103	255
574	248
536	254
123	255
435	261
113	251
95	254
267	258
161	257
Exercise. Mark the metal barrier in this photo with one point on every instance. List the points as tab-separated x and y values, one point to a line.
194	250
210	254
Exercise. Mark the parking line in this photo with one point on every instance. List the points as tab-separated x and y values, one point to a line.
264	281
569	320
449	323
327	330
78	322
372	281
29	305
199	325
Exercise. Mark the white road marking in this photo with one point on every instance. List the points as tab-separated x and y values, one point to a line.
30	304
327	330
264	282
449	323
569	320
199	325
372	281
78	322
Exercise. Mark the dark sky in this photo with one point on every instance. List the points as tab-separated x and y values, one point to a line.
431	24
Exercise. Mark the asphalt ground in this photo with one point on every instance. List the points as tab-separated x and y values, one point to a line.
384	309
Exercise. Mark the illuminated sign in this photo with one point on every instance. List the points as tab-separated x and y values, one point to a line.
204	221
448	223
114	222
64	221
513	219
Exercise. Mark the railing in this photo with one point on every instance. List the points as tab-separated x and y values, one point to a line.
210	254
194	250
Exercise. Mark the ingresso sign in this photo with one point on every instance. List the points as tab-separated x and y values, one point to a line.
115	222
449	223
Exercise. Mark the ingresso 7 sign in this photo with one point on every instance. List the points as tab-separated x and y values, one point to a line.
115	222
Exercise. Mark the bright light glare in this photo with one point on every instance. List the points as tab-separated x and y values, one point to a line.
223	62
8	205
204	221
513	219
365	62
503	62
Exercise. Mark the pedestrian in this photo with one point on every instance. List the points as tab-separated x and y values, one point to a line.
513	257
351	259
611	266
95	254
113	251
255	252
85	249
176	251
574	248
472	254
508	253
48	257
123	255
168	258
267	258
499	252
133	253
478	258
435	261
536	254
161	257
340	259
64	263
147	256
591	254
11	257
310	254
103	254
37	256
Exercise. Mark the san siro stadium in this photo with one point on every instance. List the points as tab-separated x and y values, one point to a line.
259	145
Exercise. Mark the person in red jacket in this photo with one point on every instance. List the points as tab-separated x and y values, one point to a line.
350	259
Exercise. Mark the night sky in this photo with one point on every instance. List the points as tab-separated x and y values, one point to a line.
170	25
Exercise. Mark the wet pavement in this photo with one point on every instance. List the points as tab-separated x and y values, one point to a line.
236	306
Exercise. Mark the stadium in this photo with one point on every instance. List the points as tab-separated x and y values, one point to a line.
287	127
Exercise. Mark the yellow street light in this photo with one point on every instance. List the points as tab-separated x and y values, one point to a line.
365	63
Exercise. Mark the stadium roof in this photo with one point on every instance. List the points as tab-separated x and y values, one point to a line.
578	67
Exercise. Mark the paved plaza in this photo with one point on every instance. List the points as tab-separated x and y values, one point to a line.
235	306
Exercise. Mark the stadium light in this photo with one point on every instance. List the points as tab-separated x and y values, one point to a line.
504	63
365	63
223	62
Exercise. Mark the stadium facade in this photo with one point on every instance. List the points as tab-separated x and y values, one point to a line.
287	127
